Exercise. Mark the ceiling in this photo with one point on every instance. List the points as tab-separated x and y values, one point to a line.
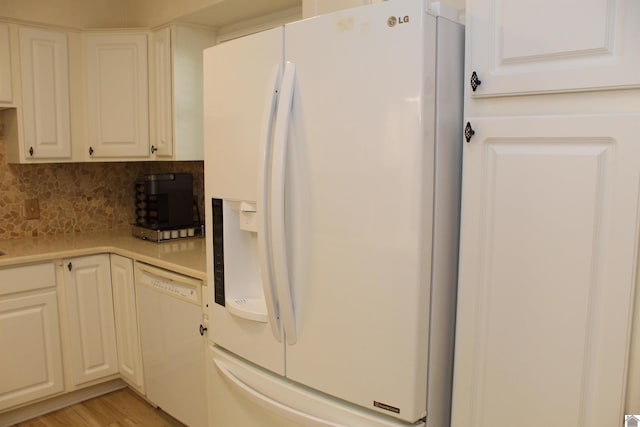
227	12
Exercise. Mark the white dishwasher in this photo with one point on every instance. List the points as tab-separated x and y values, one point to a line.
170	318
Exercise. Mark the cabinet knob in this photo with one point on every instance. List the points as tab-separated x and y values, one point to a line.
91	151
202	330
468	132
475	81
153	149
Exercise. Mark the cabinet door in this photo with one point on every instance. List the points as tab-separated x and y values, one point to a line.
117	95
520	46
163	141
6	93
90	318
126	318
178	91
31	358
187	44
548	241
45	93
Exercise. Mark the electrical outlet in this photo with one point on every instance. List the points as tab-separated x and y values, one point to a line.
31	209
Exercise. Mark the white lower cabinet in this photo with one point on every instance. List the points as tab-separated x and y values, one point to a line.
90	318
126	318
30	350
90	335
548	249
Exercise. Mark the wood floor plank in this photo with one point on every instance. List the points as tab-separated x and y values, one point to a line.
121	408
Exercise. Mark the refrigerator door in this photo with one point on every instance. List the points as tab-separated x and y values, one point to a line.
241	82
358	204
237	83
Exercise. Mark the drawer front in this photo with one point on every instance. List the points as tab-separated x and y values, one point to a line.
27	278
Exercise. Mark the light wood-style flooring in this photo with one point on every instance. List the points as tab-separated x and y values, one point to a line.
117	409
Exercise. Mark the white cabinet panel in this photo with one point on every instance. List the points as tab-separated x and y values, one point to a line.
126	320
178	91
546	270
520	47
31	358
30	355
89	306
6	92
117	95
45	93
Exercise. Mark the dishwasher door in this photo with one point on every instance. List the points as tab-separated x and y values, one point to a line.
173	351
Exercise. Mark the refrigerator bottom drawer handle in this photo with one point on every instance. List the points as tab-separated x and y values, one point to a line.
294	402
273	405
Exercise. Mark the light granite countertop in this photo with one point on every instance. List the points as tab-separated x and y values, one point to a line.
185	256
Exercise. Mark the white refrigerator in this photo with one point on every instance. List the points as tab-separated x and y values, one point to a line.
332	175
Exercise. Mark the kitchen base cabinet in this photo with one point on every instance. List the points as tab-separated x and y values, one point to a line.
89	318
30	355
126	318
547	270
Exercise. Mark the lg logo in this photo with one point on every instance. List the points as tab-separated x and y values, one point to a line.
392	21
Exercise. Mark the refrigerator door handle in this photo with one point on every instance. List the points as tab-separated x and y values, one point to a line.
276	208
262	215
280	408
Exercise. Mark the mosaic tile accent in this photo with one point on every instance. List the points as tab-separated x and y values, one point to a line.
77	197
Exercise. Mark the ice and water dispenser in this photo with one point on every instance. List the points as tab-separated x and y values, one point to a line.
237	274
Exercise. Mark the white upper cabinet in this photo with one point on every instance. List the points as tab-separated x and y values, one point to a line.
6	92
522	47
177	91
162	143
44	61
117	95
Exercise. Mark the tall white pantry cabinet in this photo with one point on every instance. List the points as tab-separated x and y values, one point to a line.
550	214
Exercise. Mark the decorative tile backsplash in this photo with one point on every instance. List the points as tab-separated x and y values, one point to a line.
76	197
